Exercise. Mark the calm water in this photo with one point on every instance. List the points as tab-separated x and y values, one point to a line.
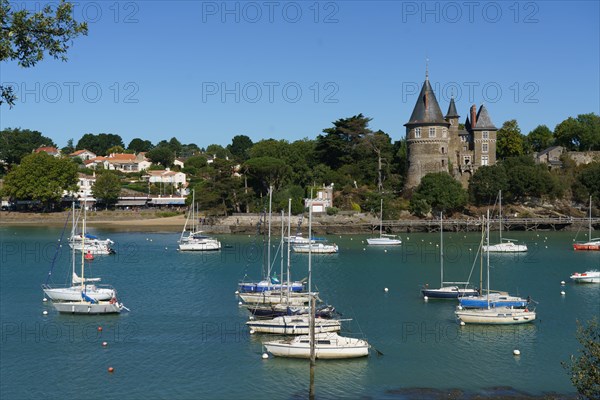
185	336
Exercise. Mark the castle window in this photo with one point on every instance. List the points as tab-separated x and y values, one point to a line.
485	135
443	151
484	160
484	147
463	138
432	132
464	148
417	132
444	132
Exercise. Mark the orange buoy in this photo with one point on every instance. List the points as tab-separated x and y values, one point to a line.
111	369
89	256
99	329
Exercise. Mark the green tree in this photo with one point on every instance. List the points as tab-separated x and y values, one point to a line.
240	144
334	149
509	140
115	149
26	37
162	155
107	188
69	148
580	134
267	171
441	191
99	143
41	177
15	143
589	177
138	145
539	139
486	182
584	368
218	151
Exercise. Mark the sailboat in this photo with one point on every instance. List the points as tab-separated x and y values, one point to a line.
591	276
508	245
494	315
92	244
447	290
72	291
85	304
383	239
195	240
591	244
297	324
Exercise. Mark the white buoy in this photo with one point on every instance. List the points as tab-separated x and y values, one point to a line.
516	352
252	331
45	312
237	292
104	344
44	299
462	323
240	303
425	298
459	307
385	251
562	283
386	290
165	248
265	356
364	249
562	292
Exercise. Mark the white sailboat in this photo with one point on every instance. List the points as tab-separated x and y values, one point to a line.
293	325
72	291
592	243
591	276
494	315
383	239
92	244
327	346
505	245
317	248
85	304
195	240
447	290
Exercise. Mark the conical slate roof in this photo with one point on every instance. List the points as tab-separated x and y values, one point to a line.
483	119
452	110
427	109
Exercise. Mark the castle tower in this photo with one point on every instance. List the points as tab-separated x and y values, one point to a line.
483	132
427	137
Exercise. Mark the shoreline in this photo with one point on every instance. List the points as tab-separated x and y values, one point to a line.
152	221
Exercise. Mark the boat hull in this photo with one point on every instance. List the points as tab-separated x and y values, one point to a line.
294	325
586	277
453	292
73	293
275	298
327	346
482	302
252	287
317	248
87	308
505	248
591	246
199	246
384	242
496	316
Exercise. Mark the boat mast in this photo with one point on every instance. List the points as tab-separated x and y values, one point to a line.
269	237
289	244
381	219
500	216
83	246
281	253
441	252
488	258
590	222
73	228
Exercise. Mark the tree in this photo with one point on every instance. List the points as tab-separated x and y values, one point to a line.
267	171
115	149
15	143
580	134
99	143
26	37
486	182
585	368
334	149
162	155
240	144
590	179
69	148
440	191
539	139
41	177
107	188
138	145
509	140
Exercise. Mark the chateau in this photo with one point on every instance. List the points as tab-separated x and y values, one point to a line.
436	144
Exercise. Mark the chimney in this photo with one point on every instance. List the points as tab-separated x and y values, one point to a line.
473	116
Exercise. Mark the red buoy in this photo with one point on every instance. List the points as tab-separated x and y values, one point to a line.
111	369
99	329
89	256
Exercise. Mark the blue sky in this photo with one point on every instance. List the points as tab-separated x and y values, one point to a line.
205	71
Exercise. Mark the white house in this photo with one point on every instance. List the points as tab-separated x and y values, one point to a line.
53	151
167	177
323	201
84	187
83	154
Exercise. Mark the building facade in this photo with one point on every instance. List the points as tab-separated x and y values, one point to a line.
436	143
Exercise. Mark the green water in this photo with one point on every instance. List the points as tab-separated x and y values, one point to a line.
185	336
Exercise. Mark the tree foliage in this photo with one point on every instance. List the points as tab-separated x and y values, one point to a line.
107	188
585	367
441	192
509	141
138	145
16	143
41	177
539	139
486	182
239	147
162	155
100	143
26	37
267	171
579	134
589	178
